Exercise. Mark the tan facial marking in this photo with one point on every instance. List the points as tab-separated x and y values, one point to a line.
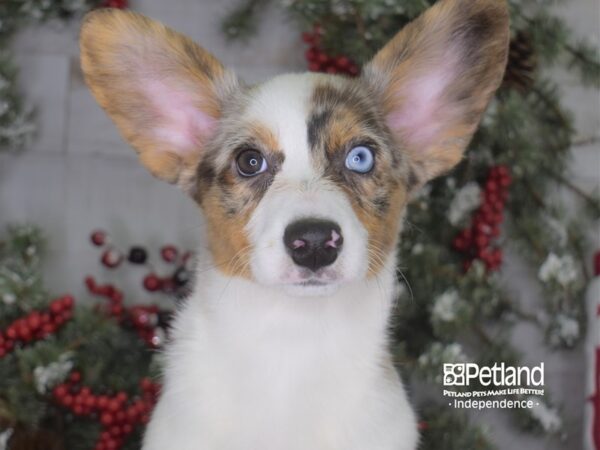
382	228
264	136
229	200
228	242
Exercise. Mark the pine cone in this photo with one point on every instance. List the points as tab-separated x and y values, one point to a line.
522	63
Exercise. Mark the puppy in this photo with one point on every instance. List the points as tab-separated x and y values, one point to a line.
303	181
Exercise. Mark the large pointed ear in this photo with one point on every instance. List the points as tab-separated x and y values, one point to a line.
164	92
436	77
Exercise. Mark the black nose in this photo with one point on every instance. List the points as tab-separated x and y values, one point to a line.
313	243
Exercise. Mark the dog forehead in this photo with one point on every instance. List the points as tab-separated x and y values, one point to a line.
283	105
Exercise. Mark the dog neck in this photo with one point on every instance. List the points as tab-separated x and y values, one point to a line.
240	313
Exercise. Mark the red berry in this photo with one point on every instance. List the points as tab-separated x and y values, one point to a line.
491	186
56	306
60	391
26	335
311	54
488	216
116	296
119	4
459	244
491	197
482	228
107	290
90	283
307	37
342	62
67	400
152	282
68	301
146	384
106	419
111	258
481	241
131	413
323	58
467	234
59	320
113	405
484	255
116	310
314	67
502	170
140	317
169	253
34	321
139	407
75	377
91	402
11	332
102	402
98	238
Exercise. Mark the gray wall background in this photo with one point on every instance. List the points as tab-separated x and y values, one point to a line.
78	175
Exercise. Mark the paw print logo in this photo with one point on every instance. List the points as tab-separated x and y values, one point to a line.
454	374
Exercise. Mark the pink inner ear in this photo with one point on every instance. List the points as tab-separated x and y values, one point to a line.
180	122
420	108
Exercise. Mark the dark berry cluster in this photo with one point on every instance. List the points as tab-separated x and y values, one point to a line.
118	414
37	325
149	321
112	257
319	61
478	240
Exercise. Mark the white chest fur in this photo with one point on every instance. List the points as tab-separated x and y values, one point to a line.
252	369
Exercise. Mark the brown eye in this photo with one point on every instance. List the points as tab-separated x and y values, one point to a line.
250	163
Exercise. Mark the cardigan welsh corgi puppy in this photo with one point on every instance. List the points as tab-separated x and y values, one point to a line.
303	181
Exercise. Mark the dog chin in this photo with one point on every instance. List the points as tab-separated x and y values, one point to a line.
311	288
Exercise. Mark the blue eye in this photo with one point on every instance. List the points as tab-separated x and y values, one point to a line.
360	159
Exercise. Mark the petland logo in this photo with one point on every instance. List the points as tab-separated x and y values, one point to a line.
462	374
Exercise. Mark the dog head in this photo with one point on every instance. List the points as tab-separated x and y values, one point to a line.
303	179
